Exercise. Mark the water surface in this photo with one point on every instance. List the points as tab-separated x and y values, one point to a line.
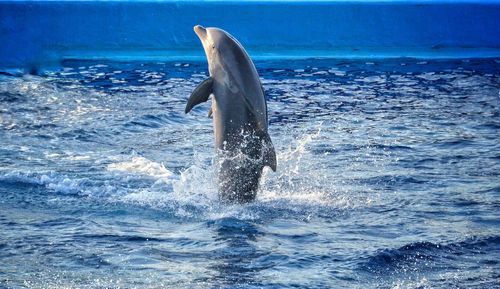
388	177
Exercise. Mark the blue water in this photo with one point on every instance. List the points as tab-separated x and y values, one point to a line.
388	177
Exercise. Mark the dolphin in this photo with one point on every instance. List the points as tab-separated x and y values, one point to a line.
239	112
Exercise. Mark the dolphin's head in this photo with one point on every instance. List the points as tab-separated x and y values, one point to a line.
217	42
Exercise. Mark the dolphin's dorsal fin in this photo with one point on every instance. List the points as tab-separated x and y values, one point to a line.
200	94
269	153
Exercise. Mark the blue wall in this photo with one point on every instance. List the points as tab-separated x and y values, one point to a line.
39	33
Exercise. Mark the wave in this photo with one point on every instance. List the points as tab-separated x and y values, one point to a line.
141	165
301	188
52	181
296	184
424	256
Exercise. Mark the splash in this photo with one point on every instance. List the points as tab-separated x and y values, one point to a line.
301	187
300	178
186	194
141	165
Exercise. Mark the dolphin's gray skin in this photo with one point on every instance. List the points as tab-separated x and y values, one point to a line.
239	115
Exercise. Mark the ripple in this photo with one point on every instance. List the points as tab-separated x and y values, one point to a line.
431	256
387	178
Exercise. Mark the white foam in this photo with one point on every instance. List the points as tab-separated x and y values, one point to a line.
193	187
141	165
148	198
196	184
62	184
78	158
53	181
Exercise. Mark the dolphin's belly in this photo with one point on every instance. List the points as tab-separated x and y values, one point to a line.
234	123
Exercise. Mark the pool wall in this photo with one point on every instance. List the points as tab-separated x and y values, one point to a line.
43	32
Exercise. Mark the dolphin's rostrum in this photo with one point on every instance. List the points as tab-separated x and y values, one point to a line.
239	113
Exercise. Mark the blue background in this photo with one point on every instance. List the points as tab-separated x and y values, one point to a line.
39	33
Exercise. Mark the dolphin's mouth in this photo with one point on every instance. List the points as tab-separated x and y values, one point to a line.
200	31
203	35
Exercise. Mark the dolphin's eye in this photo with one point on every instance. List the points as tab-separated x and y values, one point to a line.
213	46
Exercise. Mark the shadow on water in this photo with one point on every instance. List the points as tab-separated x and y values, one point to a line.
237	260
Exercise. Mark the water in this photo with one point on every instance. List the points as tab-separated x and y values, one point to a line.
388	177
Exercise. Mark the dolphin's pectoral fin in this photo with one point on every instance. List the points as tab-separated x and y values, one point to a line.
210	112
269	153
200	94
